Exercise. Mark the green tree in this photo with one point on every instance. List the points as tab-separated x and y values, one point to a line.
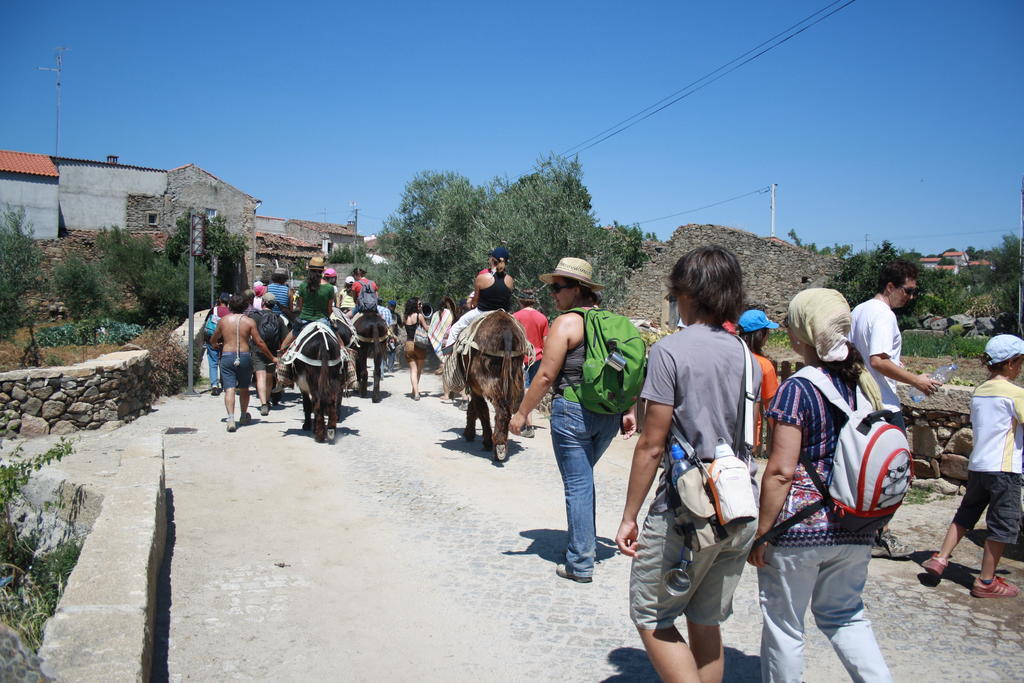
228	247
857	280
838	250
20	257
1002	280
159	285
81	286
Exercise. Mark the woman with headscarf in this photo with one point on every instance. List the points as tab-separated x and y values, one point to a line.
815	561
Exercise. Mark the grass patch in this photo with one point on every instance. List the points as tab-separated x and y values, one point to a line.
35	584
917	497
929	346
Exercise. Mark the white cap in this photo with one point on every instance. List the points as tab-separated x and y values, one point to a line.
349	280
1003	347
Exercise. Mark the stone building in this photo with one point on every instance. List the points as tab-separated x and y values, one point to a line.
95	195
281	251
329	236
773	271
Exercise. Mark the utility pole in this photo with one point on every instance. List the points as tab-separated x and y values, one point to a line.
1020	259
774	185
866	242
355	212
57	70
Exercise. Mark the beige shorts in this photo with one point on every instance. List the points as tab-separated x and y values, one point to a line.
414	353
714	575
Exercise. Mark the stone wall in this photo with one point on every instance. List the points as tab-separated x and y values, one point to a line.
773	271
141	205
939	430
104	392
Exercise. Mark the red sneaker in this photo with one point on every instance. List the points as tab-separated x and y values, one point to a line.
935	565
999	588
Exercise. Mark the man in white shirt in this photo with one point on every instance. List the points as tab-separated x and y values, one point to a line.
878	339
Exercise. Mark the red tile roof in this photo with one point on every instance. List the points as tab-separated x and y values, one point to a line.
945	267
29	164
931	259
953	253
330	228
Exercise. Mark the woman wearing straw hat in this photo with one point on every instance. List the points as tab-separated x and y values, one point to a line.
578	436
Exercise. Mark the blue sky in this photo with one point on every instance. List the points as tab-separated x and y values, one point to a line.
887	120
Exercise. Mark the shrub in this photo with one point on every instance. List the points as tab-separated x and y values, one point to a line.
930	346
170	360
88	332
82	286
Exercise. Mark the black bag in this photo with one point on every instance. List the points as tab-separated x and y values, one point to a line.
270	327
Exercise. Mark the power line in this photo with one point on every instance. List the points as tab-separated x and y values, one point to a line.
710	77
760	190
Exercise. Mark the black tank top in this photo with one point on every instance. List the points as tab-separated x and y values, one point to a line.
571	374
410	330
497	296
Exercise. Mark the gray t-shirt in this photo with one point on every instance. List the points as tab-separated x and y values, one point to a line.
698	370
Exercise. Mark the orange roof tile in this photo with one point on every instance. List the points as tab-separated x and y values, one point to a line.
29	164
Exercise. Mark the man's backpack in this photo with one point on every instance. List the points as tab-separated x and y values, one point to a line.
871	470
367	296
613	365
270	327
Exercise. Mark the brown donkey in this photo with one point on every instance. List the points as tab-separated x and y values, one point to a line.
495	374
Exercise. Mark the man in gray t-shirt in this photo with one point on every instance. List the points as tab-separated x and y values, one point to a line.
686	370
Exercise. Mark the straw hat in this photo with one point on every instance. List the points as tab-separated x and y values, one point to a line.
574	269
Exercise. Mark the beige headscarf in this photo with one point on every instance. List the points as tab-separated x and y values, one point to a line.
821	318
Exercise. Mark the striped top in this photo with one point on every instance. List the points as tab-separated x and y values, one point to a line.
280	293
997	411
799	403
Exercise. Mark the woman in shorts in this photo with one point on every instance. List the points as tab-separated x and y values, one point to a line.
414	355
694	380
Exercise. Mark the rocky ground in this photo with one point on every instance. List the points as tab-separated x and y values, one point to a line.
401	552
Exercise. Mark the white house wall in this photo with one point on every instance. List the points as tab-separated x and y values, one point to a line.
94	196
37	195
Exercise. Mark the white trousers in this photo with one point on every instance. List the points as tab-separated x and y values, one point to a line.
461	324
830	579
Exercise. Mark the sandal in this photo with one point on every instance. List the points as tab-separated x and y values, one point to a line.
935	565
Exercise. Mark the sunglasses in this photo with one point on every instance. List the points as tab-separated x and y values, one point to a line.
910	291
556	288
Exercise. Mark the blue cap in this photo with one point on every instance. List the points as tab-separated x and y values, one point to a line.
1003	347
500	253
754	320
392	302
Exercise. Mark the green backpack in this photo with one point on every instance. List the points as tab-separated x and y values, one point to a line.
606	389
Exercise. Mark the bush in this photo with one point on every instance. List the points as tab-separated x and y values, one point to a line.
88	332
19	268
170	360
82	286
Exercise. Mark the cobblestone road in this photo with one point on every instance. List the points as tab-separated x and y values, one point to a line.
401	552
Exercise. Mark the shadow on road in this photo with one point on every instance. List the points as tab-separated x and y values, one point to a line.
475	447
162	622
549	544
633	665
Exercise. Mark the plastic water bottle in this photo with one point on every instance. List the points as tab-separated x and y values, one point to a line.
680	463
942	375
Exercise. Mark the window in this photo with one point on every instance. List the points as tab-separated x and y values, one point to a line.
211	213
151	218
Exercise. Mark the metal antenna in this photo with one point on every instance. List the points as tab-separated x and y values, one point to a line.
60	66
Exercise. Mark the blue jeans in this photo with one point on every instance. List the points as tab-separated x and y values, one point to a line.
213	359
579	438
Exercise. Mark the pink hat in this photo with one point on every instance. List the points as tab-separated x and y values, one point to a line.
330	272
258	290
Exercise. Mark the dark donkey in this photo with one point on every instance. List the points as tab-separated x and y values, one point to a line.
318	375
495	374
372	333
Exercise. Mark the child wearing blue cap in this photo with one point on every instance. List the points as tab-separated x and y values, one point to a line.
994	471
754	327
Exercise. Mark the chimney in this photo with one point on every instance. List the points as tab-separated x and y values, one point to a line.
111	158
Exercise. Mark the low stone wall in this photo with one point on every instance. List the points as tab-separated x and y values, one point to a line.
104	392
940	434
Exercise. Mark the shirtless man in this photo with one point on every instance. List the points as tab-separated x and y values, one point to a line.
232	336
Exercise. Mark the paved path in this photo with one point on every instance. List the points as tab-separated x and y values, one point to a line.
402	553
